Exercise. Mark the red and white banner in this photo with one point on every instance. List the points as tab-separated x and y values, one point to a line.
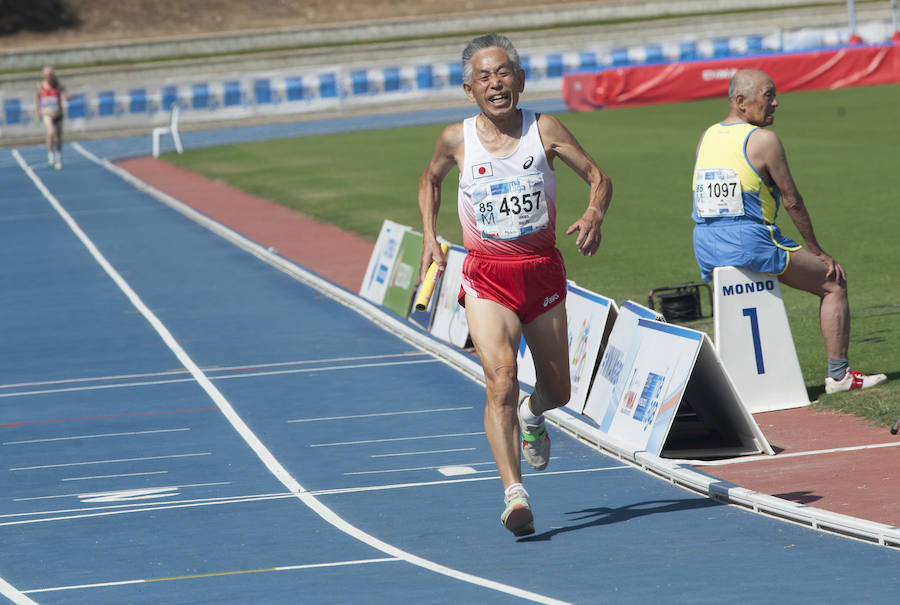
685	81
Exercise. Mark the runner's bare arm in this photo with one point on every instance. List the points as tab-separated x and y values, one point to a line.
559	142
448	152
765	150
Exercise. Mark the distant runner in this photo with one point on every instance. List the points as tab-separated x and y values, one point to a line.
49	109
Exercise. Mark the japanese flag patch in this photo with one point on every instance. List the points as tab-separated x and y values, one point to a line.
482	170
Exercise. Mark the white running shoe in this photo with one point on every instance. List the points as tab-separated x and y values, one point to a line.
853	380
517	516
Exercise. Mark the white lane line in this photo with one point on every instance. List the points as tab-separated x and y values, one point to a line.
216	573
240	368
262	452
120	509
777	457
388	440
418	468
163	488
115	476
141	459
130	434
422	453
210	378
14	594
375	415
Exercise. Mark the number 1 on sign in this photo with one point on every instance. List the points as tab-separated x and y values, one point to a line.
757	345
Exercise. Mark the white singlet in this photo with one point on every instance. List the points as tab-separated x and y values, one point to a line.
507	205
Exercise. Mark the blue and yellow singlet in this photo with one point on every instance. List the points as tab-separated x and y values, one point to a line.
726	186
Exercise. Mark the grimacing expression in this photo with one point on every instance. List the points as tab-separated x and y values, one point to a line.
496	84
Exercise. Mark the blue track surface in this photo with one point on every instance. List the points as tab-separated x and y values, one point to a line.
124	480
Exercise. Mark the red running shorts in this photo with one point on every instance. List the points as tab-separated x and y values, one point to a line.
528	285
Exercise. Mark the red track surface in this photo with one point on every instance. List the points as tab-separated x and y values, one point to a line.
861	483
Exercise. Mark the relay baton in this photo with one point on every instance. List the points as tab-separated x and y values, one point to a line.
427	287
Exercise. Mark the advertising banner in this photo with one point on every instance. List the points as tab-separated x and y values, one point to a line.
688	80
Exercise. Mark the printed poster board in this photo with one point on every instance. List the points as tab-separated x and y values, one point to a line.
661	388
381	263
448	316
401	281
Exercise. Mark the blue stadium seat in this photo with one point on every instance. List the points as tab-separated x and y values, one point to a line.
554	66
359	81
200	96
294	88
232	93
76	108
392	81
262	91
169	97
424	77
12	109
137	100
328	88
106	103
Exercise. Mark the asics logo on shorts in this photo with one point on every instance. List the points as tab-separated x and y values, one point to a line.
551	299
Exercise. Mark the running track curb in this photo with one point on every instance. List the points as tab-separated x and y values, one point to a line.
675	472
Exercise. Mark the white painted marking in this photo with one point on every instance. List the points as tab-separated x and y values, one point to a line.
209	370
94	436
109	495
218	573
274	466
121	509
210	378
458	449
374	415
115	476
836	450
454	471
419	468
127	495
31	468
14	594
340	443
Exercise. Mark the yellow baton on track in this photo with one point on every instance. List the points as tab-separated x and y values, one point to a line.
427	287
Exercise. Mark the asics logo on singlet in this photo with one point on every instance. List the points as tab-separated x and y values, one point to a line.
528	164
551	299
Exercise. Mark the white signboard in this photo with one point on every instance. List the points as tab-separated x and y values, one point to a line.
651	374
381	263
609	384
754	340
449	317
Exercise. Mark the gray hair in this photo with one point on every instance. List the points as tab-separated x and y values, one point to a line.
488	41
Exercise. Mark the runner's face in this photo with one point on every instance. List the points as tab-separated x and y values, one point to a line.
495	85
760	107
